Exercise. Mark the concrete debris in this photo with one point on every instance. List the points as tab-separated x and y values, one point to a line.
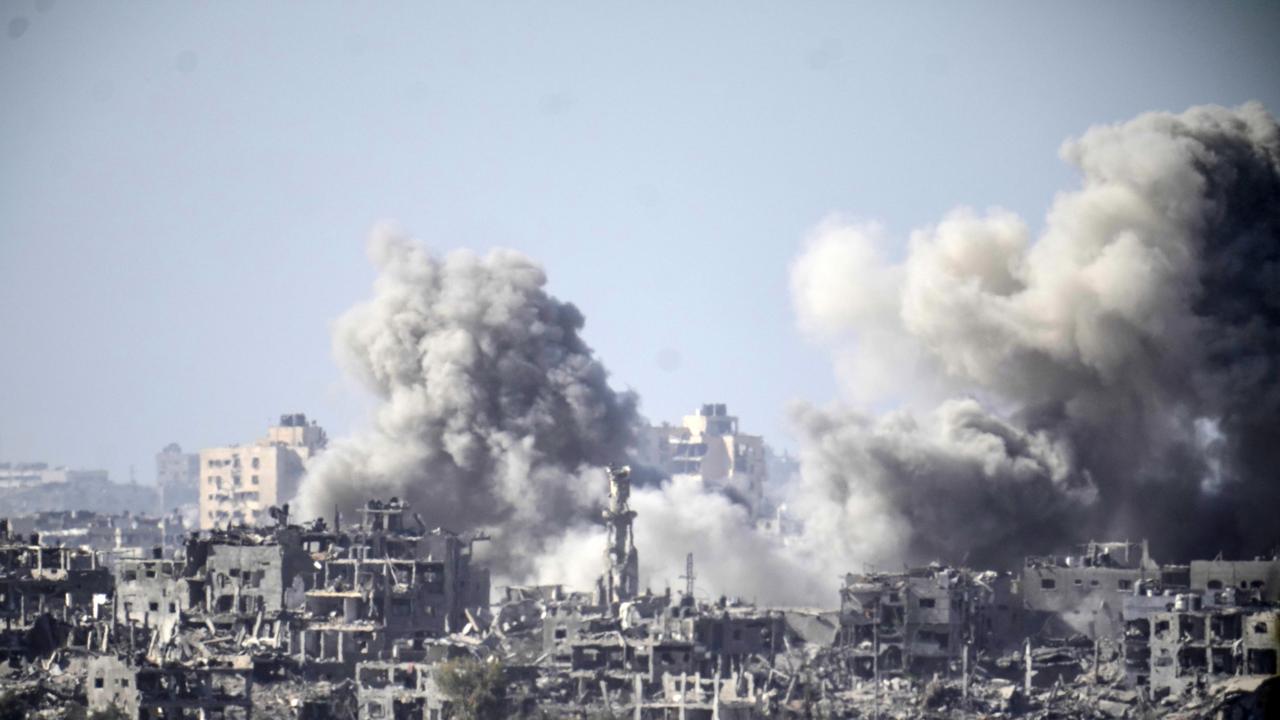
388	618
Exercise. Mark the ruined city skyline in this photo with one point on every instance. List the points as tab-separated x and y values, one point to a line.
340	621
1105	377
674	176
459	361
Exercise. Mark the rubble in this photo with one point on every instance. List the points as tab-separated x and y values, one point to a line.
325	620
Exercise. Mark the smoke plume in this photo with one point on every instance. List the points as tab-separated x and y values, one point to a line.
1115	375
1118	377
494	413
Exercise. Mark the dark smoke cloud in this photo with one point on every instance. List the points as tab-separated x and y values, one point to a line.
1116	376
898	488
1124	367
494	413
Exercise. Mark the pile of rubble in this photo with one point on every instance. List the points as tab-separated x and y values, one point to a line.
388	618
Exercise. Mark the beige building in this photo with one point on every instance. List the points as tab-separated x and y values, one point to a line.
708	444
239	483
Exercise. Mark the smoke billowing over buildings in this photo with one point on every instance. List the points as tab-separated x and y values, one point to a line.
1113	373
840	362
492	406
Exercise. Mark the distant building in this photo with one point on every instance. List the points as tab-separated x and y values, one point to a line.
115	535
239	483
177	477
31	475
708	444
39	487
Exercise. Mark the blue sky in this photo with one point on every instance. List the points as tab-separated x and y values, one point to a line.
185	188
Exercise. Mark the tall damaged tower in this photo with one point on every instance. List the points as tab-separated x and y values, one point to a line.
621	581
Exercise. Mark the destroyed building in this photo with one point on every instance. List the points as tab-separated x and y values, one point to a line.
389	581
1087	590
1178	643
387	690
147	593
342	619
48	595
306	601
1257	579
175	690
917	621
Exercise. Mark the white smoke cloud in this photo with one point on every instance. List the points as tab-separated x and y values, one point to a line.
1094	356
1113	376
681	516
494	413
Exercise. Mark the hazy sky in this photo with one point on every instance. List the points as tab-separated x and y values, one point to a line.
186	188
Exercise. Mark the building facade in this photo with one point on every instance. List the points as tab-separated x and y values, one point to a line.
38	487
708	444
1185	643
1087	591
915	622
239	483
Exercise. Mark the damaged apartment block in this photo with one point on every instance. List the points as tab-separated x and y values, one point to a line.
244	604
145	691
390	582
1179	644
916	622
49	596
325	620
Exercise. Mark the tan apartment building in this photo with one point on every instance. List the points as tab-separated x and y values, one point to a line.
709	445
239	483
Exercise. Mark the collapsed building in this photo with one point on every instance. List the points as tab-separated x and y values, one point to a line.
386	584
331	620
219	689
1087	590
49	596
916	622
159	634
1180	643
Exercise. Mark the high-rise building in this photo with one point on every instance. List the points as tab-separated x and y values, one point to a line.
238	483
177	478
708	444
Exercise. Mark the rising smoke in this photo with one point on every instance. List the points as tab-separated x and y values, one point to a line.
1120	376
494	413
